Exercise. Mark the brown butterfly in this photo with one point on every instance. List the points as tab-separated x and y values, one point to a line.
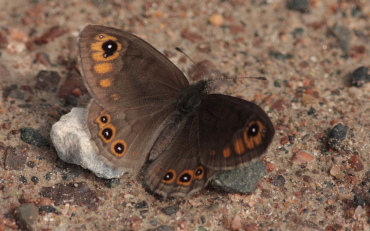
143	108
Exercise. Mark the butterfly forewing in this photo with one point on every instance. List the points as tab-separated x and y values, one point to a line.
123	71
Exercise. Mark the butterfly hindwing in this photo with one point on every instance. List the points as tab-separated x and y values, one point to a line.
232	131
178	171
124	138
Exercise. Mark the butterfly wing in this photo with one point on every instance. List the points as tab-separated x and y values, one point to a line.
178	171
232	131
124	138
123	71
133	87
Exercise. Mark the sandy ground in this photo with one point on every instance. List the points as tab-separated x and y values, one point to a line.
307	58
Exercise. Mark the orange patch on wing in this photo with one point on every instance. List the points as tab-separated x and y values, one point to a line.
103	68
239	146
105	82
226	152
97	46
212	152
115	97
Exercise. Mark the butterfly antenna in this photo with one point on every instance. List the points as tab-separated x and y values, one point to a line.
180	50
227	78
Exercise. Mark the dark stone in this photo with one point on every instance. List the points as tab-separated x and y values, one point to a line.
312	111
16	158
26	215
35	180
360	76
23	179
337	135
47	80
242	180
343	35
359	200
163	228
48	176
278	181
73	193
33	137
171	209
31	164
16	94
141	205
48	209
203	219
112	183
9	89
298	32
298	5
280	56
277	83
71	100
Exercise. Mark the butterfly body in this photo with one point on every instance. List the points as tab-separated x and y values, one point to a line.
143	108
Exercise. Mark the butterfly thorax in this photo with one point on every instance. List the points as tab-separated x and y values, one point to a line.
191	97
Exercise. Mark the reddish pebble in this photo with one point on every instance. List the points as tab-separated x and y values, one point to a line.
236	223
270	167
46	202
302	157
182	225
284	140
356	163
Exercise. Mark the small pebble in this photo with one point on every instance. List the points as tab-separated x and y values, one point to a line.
33	137
216	20
23	179
112	183
302	157
278	181
356	163
48	209
360	76
141	205
331	209
335	170
337	135
298	5
47	80
16	158
171	209
236	223
31	164
343	34
359	200
26	216
312	111
35	180
48	176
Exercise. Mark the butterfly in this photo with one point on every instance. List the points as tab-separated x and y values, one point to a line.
143	109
